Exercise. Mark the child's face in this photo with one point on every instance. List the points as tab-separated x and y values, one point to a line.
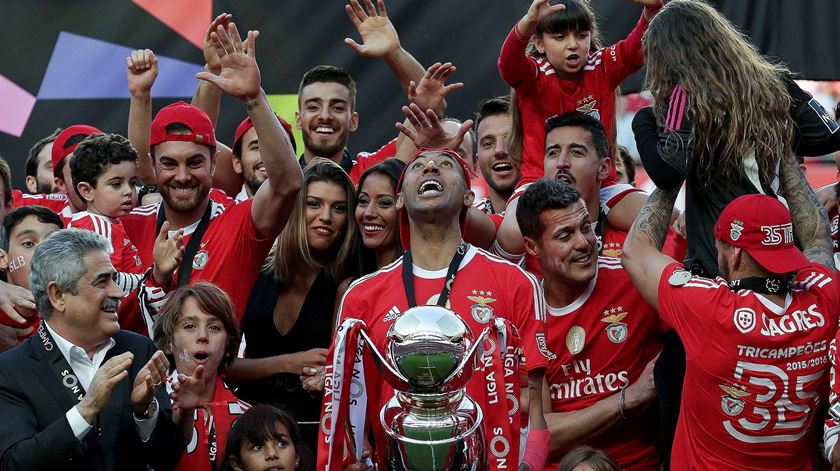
199	339
24	237
274	454
116	190
567	51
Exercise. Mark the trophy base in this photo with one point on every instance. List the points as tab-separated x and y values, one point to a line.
448	442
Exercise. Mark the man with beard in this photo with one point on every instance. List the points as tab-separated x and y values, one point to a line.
65	201
224	245
576	152
326	114
39	174
492	124
246	159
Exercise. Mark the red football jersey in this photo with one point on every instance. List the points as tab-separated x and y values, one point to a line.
485	286
542	94
210	431
755	372
603	341
124	255
58	202
366	160
230	255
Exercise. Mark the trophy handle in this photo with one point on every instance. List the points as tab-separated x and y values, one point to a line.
392	376
453	383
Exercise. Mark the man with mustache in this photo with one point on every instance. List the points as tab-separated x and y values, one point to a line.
83	394
576	151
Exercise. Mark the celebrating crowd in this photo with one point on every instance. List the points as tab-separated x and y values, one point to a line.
172	302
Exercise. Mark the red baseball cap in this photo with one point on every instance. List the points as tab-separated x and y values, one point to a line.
761	225
405	235
190	116
246	124
61	149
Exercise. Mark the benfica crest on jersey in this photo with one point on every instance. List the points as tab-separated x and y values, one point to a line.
731	402
590	110
616	330
735	228
201	258
481	311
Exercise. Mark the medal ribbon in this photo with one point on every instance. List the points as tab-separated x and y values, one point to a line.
408	275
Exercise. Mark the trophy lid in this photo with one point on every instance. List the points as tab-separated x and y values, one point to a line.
427	345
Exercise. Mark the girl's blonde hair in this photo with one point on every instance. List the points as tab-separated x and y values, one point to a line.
738	102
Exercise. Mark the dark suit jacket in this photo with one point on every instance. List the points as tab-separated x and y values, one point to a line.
35	433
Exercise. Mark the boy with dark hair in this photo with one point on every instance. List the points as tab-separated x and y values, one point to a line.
21	231
104	168
39	174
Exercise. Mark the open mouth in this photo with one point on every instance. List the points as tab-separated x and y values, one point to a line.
566	177
430	188
502	167
201	356
184	190
325	130
373	227
586	258
323	231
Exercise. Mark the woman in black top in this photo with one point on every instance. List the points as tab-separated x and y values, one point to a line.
288	322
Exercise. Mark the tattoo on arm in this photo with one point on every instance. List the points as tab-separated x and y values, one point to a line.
252	105
810	221
655	217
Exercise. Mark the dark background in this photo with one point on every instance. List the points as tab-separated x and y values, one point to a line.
299	34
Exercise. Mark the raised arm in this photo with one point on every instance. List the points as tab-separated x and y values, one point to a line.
810	221
380	40
207	96
643	258
142	70
240	78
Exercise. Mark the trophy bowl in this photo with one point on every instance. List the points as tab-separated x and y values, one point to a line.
427	345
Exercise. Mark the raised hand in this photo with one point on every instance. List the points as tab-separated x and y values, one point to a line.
431	92
17	303
187	392
429	131
168	253
378	34
102	385
538	10
142	70
211	57
148	380
240	75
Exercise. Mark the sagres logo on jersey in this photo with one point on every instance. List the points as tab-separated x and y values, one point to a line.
482	311
616	330
575	338
731	402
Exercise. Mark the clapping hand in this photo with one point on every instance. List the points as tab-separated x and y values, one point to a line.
431	92
429	131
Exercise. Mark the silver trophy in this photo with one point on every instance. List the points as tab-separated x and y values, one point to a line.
431	423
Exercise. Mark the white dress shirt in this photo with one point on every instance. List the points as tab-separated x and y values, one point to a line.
85	368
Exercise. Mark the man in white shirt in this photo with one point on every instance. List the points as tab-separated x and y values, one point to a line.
81	393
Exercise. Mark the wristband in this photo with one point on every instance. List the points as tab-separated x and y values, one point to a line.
536	449
621	404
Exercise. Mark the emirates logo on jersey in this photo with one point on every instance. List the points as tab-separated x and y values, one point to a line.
616	330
